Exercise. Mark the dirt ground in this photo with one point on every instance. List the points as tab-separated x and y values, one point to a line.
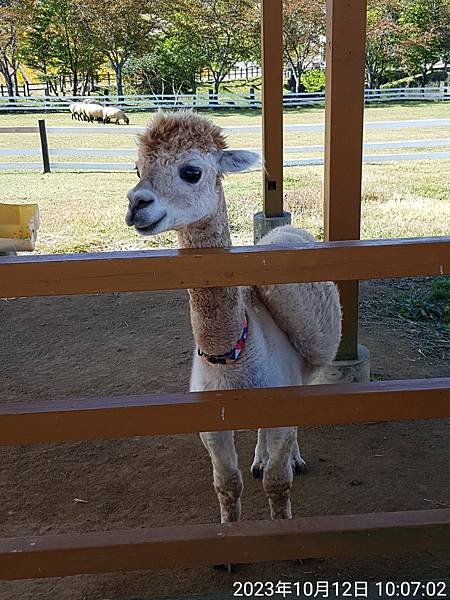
137	343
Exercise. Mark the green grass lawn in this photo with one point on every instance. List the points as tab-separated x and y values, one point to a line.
84	211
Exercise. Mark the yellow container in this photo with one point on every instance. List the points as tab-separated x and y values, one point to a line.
18	226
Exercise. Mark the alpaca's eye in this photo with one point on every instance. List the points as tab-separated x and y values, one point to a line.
190	174
137	171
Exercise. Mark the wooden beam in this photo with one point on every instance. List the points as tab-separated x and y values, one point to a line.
117	417
272	105
245	542
57	275
344	113
19	130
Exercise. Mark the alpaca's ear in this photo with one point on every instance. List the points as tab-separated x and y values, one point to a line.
234	161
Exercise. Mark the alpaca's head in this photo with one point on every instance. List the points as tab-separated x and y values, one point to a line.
181	160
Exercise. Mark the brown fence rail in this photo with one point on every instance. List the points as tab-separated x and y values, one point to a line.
247	542
116	417
87	419
179	269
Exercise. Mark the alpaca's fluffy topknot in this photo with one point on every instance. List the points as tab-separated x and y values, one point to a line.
168	134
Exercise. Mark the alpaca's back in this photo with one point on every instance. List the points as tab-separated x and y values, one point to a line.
309	313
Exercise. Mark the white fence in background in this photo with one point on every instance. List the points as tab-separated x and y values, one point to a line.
131	152
252	99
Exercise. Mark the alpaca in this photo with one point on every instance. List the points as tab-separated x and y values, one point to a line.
246	337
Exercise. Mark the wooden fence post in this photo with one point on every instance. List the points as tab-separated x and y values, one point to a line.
212	98
344	113
273	214
44	145
251	97
272	117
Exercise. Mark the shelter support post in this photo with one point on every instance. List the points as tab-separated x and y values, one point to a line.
344	117
273	214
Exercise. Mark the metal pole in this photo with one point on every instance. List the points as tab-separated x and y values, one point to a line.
344	114
44	145
273	214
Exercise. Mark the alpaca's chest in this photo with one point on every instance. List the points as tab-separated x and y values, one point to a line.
268	360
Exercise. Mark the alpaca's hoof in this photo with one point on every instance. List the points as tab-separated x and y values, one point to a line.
299	465
228	568
257	471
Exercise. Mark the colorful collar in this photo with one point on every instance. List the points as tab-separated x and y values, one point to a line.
232	356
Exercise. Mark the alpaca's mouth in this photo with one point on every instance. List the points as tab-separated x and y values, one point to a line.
149	228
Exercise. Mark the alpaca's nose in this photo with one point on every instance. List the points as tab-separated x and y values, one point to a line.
138	199
142	198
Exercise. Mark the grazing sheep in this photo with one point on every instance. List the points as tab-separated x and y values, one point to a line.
112	113
76	110
93	111
86	111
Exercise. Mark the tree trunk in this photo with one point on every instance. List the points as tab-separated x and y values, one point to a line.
10	86
216	84
75	84
4	69
424	75
297	73
296	85
119	80
16	83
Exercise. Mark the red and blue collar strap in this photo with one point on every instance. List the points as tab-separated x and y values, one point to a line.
232	356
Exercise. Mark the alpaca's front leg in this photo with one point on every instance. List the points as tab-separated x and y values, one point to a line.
226	473
261	455
298	464
278	474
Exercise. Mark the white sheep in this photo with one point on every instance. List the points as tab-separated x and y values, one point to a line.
76	110
112	113
93	111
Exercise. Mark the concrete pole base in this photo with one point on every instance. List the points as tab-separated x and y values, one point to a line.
349	371
263	224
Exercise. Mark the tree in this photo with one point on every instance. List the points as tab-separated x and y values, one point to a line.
382	53
121	29
425	35
221	32
303	26
14	15
58	38
38	49
170	67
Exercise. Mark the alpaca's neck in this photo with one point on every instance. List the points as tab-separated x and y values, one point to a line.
217	314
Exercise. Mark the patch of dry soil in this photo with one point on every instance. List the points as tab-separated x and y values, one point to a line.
138	343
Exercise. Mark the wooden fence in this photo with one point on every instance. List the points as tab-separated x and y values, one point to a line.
210	100
342	261
89	419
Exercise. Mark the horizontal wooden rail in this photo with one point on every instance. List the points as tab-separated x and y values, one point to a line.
245	542
426	143
116	417
65	274
19	129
